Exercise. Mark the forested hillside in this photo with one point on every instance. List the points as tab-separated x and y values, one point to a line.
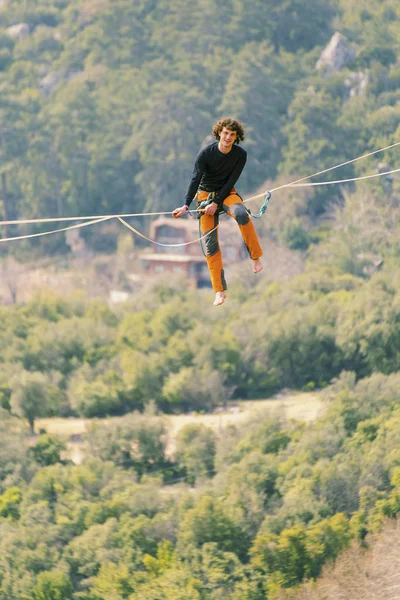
242	515
103	105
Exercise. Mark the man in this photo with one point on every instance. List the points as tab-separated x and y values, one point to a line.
217	169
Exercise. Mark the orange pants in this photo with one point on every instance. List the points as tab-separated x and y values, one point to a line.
234	207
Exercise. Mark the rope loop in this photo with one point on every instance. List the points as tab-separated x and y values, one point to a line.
263	208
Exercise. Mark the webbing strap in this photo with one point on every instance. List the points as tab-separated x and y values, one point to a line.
263	208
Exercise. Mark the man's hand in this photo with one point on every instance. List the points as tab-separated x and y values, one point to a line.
211	208
180	211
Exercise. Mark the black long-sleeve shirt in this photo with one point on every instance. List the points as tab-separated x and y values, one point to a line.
215	171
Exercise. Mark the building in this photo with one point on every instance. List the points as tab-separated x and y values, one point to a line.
188	259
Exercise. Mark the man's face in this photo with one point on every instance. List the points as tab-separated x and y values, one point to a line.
227	138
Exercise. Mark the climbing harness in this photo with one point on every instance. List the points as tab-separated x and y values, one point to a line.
211	198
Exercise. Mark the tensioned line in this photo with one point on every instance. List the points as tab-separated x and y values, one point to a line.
92	217
77	226
345	180
293	183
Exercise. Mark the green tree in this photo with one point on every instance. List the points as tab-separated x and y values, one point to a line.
300	347
136	440
64	344
367	328
249	487
209	522
195	451
9	503
96	392
195	388
221	573
326	540
47	450
163	560
53	585
113	581
34	395
177	582
284	558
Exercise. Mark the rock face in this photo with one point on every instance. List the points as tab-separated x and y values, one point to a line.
336	55
18	31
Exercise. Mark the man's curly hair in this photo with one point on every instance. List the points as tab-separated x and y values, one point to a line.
232	125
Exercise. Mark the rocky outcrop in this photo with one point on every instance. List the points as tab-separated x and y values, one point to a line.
337	54
19	31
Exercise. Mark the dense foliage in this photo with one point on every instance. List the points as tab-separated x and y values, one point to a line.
267	505
81	359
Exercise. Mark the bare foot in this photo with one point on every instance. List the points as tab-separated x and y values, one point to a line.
219	298
257	266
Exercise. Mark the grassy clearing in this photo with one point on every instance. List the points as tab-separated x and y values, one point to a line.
303	406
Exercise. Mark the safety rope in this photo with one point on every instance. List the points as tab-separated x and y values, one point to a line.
348	162
345	180
159	243
33	235
92	220
60	219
